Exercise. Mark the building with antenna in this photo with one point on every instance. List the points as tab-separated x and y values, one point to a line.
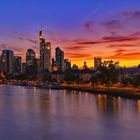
45	54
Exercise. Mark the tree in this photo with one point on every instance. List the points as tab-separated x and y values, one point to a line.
21	76
109	72
95	79
136	81
69	76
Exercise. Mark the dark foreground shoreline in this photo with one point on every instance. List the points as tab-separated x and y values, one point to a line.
112	92
117	93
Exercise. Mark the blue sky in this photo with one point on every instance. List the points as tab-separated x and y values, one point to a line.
65	22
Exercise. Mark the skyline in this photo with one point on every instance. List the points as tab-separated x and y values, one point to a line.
107	29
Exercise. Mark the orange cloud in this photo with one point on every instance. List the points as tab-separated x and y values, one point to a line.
125	56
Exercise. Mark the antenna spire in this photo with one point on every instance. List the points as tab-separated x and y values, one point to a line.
41	27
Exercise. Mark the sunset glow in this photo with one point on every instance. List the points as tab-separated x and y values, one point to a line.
85	29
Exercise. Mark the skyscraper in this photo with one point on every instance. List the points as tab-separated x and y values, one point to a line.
30	62
59	54
17	64
23	68
97	62
45	54
7	61
37	61
67	64
48	56
30	57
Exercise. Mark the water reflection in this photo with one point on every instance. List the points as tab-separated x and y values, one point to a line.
38	114
109	103
138	102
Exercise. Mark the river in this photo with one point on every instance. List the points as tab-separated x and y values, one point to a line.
37	114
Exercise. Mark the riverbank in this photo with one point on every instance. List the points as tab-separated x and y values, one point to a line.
134	94
125	92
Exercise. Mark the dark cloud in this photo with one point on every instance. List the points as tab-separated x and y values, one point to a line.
111	39
124	51
125	56
33	41
79	55
20	38
122	46
129	14
75	48
120	51
117	23
113	24
3	46
90	25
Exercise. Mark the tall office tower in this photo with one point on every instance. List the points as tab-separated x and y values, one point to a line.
30	62
53	63
67	64
23	68
48	56
97	62
45	54
7	61
54	66
17	64
30	57
59	54
37	61
42	51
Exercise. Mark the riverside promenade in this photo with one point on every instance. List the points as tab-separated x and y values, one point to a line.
126	92
122	91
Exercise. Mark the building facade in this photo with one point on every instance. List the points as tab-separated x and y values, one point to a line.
45	54
67	64
7	61
48	56
17	64
59	54
30	62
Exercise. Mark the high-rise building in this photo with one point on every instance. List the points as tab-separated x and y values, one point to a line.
23	68
54	66
53	63
30	62
30	57
59	54
97	62
45	54
67	64
48	56
37	61
7	61
17	64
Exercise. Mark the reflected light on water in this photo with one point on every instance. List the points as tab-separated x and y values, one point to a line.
39	114
138	106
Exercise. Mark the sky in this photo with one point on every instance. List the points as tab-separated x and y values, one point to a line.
82	28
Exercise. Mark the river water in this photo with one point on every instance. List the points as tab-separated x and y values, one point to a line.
37	114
